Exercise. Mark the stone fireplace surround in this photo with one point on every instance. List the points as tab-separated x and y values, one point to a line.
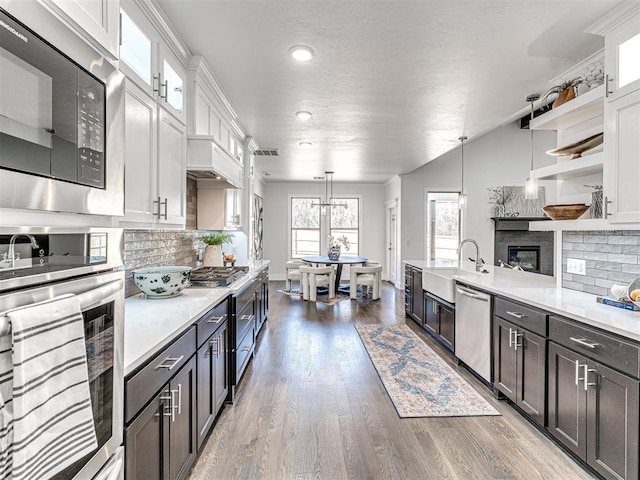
514	232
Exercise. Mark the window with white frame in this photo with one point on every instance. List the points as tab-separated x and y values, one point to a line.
345	223
305	226
310	225
443	225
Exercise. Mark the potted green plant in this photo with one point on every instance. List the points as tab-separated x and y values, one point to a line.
566	90
213	252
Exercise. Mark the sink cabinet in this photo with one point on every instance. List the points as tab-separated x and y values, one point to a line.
414	302
439	320
594	397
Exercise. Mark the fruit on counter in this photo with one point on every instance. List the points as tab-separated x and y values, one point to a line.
229	257
635	295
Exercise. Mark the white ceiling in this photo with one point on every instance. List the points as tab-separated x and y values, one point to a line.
393	83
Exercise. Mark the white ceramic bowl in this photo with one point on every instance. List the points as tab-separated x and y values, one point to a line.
633	286
162	282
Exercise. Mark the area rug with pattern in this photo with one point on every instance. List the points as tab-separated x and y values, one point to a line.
418	381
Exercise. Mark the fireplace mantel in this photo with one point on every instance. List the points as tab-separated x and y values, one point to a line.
515	223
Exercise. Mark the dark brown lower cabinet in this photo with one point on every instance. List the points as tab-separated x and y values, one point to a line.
213	384
439	320
519	367
161	441
593	411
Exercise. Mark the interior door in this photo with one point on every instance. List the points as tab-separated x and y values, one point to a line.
392	260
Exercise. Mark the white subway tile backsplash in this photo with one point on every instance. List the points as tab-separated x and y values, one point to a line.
611	258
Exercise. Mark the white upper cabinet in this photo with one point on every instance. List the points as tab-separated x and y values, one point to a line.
621	31
150	61
96	20
622	50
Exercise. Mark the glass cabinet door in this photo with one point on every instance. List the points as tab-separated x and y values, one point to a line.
174	85
136	51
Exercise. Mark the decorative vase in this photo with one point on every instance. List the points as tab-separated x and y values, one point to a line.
500	211
564	96
212	256
334	253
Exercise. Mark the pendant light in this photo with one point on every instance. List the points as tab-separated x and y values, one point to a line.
328	195
531	186
462	197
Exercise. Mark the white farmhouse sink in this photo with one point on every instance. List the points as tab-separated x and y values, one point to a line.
440	281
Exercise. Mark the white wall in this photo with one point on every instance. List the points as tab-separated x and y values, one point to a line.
501	157
276	197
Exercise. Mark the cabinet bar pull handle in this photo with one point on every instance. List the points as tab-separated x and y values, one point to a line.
605	204
170	359
179	399
157	214
608	80
510	338
515	340
586	377
516	314
166	90
215	342
578	372
584	342
216	319
246	317
246	349
159	78
165	208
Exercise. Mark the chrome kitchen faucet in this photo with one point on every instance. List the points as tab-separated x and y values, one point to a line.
479	261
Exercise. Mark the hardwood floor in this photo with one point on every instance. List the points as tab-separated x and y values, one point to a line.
311	406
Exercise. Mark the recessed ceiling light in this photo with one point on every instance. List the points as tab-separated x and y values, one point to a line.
305	144
304	115
301	53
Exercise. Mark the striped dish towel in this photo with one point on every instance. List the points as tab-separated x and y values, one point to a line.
52	417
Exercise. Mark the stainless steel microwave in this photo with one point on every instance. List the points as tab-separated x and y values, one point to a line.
61	124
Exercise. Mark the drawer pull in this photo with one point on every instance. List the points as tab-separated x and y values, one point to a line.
246	317
216	320
170	359
246	349
516	314
584	342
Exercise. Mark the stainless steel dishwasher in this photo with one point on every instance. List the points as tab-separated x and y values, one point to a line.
473	330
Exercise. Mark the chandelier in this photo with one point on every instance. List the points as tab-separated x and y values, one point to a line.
329	201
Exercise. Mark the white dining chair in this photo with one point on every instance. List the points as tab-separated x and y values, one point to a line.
365	277
292	273
314	277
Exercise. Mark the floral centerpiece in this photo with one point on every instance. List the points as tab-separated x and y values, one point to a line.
213	253
335	244
499	196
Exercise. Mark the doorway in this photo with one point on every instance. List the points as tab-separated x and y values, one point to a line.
392	235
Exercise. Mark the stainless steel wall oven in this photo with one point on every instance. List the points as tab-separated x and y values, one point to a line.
61	124
41	264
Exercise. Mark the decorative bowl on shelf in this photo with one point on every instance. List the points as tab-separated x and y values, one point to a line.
578	148
162	282
633	292
565	212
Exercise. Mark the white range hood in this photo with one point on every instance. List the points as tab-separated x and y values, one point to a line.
207	158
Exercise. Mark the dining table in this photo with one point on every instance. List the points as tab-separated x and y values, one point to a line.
339	262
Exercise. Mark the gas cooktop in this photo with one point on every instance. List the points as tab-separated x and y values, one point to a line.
211	277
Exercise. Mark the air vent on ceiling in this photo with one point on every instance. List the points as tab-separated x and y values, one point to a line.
267	152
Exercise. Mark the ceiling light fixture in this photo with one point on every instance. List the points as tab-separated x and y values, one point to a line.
328	195
305	144
304	115
301	53
531	186
462	197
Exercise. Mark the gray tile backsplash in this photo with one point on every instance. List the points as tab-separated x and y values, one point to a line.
611	258
149	248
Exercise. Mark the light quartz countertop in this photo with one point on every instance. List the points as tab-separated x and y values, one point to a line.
151	324
542	291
